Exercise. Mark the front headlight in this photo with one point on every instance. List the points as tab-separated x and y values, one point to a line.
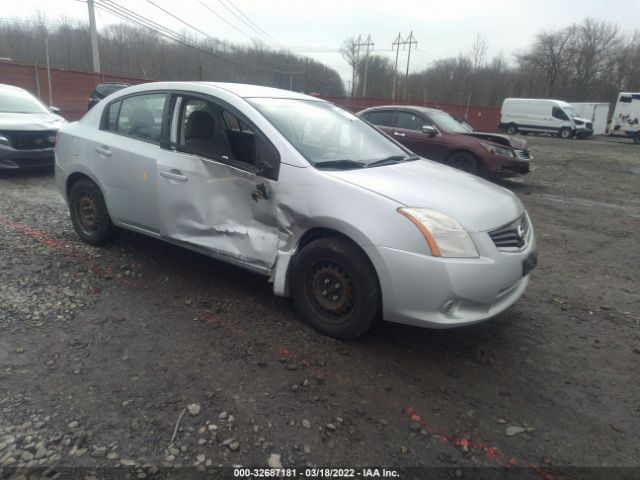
496	150
445	236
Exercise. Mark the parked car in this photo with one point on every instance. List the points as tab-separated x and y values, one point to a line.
626	117
349	223
104	90
436	135
28	129
531	115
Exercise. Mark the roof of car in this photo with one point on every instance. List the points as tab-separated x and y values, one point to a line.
240	89
5	86
403	107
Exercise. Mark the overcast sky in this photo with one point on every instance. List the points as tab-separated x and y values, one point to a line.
317	28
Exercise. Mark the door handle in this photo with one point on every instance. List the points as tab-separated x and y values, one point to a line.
104	150
174	175
398	134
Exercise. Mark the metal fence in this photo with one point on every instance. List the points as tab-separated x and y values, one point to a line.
69	90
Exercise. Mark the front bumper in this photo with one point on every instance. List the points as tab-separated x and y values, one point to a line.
583	132
508	166
11	159
435	292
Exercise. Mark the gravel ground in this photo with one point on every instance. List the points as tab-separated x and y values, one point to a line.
144	356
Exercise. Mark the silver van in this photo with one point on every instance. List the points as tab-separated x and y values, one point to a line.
530	115
349	223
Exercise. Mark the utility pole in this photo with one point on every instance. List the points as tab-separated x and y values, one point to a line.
396	44
411	41
94	37
368	45
356	48
46	50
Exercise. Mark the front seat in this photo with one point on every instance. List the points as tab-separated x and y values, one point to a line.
200	136
141	124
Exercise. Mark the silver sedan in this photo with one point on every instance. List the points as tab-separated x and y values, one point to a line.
350	224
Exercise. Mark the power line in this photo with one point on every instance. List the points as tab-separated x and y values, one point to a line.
252	22
256	30
224	19
180	20
132	17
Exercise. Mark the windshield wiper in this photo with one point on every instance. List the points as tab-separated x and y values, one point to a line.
393	159
339	164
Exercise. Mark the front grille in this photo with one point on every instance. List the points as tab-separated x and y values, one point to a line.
523	154
27	140
513	236
590	126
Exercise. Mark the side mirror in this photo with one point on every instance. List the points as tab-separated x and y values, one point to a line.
55	110
429	130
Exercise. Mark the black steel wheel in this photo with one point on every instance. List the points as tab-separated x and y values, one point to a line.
89	213
335	288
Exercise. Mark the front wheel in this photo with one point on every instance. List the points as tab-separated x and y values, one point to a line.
89	213
464	161
335	288
565	133
636	139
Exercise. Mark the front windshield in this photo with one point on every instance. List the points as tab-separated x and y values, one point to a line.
447	123
324	133
572	112
16	101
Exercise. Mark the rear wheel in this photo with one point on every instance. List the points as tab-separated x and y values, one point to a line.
335	288
565	133
512	129
89	213
464	161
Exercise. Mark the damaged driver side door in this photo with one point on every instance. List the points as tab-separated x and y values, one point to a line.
216	188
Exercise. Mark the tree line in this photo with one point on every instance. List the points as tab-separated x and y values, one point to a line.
134	51
587	61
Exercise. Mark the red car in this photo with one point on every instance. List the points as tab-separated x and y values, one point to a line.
438	136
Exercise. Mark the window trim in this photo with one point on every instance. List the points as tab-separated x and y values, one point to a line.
105	116
247	167
394	117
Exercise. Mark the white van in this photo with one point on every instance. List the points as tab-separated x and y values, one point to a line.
626	117
530	115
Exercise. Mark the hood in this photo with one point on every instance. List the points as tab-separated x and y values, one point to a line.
475	203
507	140
580	119
31	121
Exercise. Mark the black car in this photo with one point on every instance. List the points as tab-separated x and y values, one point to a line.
103	90
28	129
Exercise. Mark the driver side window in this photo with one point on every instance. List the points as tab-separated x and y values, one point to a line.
557	112
410	121
211	131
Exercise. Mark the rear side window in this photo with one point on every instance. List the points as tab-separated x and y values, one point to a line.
409	121
557	112
383	118
139	116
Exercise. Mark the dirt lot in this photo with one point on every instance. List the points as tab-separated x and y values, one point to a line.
102	349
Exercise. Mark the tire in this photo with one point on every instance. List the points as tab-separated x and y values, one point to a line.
335	288
89	214
565	133
464	161
636	139
512	129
